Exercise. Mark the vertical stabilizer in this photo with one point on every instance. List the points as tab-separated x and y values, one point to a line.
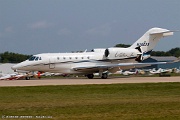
149	40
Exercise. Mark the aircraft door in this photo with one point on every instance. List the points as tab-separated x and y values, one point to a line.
51	62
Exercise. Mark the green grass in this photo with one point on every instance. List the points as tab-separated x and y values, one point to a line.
148	101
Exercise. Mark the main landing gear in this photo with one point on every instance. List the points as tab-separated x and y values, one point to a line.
103	76
90	76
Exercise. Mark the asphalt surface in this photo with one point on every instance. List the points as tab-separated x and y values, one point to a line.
81	81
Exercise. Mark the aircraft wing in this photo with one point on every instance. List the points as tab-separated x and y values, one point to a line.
111	66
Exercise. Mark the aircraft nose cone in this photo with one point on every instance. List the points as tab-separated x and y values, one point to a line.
20	66
15	67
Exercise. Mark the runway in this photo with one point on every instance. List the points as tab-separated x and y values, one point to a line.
75	81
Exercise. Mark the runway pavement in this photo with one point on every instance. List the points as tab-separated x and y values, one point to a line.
75	81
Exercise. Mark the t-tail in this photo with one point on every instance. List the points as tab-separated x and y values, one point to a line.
148	41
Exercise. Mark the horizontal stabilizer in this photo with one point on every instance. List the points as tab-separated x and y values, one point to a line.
165	33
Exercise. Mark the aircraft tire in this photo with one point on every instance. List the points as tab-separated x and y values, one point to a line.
28	78
104	76
90	76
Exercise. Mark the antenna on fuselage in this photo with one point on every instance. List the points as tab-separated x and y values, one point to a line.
85	50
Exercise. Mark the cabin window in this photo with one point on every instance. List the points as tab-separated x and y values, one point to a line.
88	57
57	58
76	57
70	58
82	58
64	58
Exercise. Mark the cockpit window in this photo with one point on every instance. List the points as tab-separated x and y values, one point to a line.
34	58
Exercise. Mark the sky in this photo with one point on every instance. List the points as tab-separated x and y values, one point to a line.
51	26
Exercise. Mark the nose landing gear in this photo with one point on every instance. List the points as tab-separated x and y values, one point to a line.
90	76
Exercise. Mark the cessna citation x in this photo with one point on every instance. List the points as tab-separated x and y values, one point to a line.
99	61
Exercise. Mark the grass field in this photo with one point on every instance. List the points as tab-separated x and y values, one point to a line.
148	101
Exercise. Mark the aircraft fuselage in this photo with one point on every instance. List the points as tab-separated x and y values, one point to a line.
65	62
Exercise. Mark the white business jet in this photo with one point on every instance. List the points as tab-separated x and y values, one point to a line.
99	60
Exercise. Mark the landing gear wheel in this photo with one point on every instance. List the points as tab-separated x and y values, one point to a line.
104	76
90	76
28	78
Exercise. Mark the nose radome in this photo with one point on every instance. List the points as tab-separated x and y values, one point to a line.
13	67
17	66
20	66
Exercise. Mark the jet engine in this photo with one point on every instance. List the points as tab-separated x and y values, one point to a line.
120	53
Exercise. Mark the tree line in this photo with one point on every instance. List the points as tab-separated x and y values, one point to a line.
10	57
173	52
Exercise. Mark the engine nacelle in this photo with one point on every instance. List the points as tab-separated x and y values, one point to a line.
120	53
